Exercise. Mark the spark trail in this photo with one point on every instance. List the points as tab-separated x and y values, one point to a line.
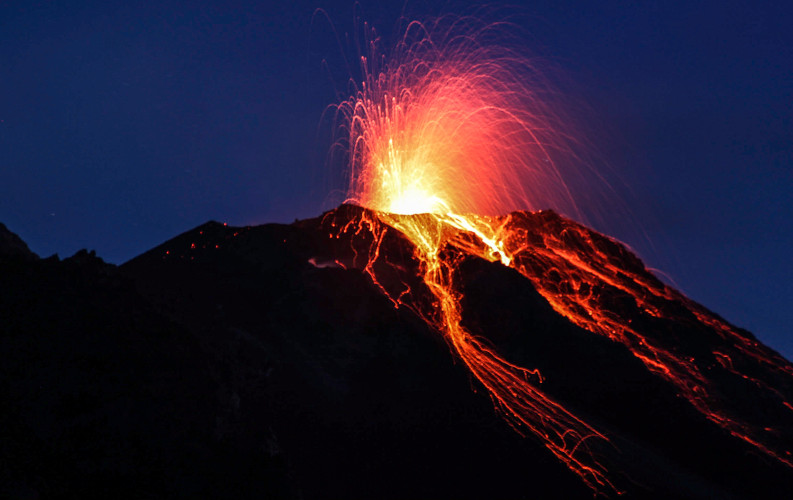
444	135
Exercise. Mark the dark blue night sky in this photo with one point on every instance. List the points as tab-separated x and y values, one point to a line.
122	126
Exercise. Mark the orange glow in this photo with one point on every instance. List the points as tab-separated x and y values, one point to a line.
451	124
444	136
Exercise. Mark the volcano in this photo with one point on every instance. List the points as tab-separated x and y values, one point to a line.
290	361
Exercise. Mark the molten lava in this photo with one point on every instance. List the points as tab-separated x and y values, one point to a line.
445	135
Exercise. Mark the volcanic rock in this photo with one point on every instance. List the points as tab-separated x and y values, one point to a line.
250	362
12	246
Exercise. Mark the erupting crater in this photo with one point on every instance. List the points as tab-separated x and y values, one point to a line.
447	134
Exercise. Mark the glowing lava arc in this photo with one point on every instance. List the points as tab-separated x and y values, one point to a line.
447	127
450	124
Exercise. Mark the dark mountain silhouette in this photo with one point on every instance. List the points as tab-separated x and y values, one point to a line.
263	362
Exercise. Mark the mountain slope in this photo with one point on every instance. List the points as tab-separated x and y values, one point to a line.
266	361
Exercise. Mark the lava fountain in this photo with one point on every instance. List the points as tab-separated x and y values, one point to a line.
446	134
451	124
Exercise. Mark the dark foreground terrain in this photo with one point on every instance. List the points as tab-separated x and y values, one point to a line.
261	362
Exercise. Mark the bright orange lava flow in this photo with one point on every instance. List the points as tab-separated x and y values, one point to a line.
510	386
451	127
579	285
